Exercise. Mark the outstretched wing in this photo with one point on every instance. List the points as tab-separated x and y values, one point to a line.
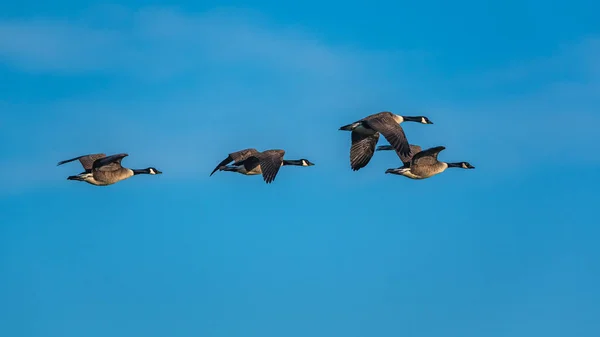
86	160
427	157
391	130
241	155
236	157
270	163
110	163
363	147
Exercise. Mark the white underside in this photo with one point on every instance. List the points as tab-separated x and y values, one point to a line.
407	173
89	178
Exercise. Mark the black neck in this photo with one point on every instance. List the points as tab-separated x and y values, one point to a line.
455	165
292	162
412	118
141	171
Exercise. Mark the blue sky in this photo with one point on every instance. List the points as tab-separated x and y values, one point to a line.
507	249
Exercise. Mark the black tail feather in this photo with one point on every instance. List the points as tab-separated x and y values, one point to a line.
221	164
384	148
348	127
228	168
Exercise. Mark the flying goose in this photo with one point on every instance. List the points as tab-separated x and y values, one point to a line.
252	162
425	164
365	134
101	170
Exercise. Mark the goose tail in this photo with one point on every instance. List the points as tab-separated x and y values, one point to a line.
349	127
384	148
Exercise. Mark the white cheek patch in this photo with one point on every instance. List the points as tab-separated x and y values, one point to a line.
423	120
152	171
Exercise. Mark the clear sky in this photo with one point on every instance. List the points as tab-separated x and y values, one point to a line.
507	249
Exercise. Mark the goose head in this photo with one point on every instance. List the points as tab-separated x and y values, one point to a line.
306	162
425	120
149	170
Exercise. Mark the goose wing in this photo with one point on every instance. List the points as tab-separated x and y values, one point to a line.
270	163
406	159
237	157
427	157
362	149
110	163
391	130
378	115
85	160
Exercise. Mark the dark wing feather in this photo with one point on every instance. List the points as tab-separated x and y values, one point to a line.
270	163
392	131
362	149
237	157
427	157
224	162
414	149
86	160
110	163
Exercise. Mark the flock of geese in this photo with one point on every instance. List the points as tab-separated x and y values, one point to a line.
101	170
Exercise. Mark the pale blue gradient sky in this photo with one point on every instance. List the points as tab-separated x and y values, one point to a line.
507	249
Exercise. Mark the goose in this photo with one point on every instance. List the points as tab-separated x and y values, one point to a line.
365	134
425	164
252	162
101	170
